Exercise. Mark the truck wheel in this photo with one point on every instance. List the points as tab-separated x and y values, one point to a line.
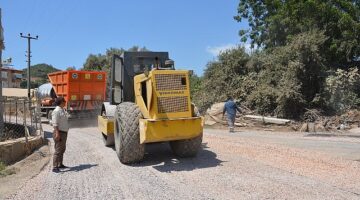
188	147
127	134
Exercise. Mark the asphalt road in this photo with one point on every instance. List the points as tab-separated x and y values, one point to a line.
242	165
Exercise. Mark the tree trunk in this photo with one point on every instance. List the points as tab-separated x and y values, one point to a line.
1	97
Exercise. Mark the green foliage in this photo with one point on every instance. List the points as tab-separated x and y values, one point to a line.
222	78
290	101
299	43
33	84
195	84
6	172
275	23
297	64
281	81
2	166
137	48
95	62
292	72
70	68
40	70
263	100
102	62
342	90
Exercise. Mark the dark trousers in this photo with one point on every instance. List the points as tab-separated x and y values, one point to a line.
231	122
60	147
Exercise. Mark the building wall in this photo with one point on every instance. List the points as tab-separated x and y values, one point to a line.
10	78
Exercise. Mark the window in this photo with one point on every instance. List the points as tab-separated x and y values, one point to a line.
4	74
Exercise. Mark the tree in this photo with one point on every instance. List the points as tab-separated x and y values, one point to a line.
195	84
95	62
137	48
33	84
289	77
342	90
222	77
70	68
275	23
102	62
40	70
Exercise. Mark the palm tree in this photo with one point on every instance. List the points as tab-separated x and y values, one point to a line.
2	46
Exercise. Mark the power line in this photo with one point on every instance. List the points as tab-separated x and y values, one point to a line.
29	38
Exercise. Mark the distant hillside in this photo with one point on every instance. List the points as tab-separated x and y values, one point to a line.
40	70
38	75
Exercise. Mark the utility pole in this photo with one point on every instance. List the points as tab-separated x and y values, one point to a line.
1	104
29	38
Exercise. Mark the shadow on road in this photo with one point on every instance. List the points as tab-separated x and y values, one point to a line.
79	168
161	158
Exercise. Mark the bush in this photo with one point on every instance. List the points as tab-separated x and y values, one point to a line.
2	166
283	81
341	90
263	100
222	77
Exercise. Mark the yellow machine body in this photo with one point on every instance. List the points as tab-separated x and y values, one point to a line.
163	97
106	125
169	129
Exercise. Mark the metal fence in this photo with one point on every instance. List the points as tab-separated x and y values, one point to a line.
21	117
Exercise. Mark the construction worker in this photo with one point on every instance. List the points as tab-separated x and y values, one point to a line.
230	109
61	128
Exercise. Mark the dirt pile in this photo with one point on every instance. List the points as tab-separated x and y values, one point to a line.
312	121
214	118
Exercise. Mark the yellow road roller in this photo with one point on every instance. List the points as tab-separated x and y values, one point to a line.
149	102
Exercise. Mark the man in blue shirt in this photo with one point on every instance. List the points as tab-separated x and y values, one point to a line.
230	109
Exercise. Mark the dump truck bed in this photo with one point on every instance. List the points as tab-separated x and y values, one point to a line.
82	90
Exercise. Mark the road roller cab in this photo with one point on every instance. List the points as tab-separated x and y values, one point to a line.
149	102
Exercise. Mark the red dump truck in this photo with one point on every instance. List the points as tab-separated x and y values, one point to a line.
84	92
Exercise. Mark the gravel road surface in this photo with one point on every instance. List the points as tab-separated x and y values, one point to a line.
242	165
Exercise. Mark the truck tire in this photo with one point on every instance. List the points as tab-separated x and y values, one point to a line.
127	134
188	147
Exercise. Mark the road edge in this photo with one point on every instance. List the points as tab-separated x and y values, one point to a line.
26	169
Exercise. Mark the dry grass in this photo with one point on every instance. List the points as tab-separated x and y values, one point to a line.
6	171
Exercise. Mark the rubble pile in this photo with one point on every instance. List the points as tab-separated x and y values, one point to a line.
313	120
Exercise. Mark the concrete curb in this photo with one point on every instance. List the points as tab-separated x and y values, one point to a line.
14	150
26	169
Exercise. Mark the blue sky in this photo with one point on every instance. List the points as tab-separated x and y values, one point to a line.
192	32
